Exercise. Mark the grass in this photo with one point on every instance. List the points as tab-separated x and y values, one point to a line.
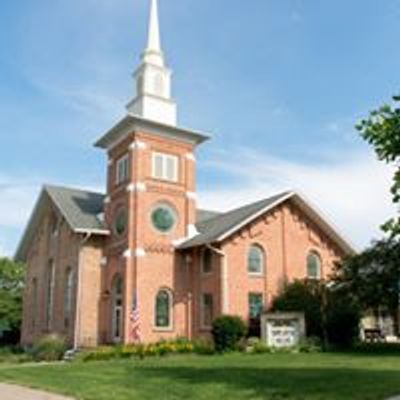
234	376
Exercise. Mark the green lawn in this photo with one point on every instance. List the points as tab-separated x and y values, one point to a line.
235	376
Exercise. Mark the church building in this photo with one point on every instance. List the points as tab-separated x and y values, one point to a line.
141	262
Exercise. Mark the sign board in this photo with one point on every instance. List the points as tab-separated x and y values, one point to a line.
283	329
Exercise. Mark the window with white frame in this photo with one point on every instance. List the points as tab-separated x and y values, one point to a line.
165	167
314	265
255	260
163	309
122	169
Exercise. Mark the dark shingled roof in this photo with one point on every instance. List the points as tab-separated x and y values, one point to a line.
203	215
81	209
210	230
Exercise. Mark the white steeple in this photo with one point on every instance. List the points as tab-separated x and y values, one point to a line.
153	42
153	80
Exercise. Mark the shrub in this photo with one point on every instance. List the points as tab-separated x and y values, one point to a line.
14	354
49	348
257	346
184	346
378	348
310	345
161	348
203	347
227	332
103	353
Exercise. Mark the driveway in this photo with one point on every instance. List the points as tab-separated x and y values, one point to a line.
12	392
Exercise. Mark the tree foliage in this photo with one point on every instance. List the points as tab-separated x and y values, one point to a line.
373	276
331	312
303	296
11	286
382	130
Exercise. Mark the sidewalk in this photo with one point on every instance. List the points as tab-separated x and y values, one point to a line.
13	392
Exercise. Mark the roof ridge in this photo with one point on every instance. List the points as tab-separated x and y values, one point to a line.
69	188
278	195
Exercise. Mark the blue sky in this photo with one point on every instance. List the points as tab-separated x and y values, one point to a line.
279	84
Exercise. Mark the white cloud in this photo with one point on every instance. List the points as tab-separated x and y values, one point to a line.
16	202
352	189
18	197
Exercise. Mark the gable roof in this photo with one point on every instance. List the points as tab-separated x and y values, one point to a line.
81	209
222	226
211	230
204	215
83	212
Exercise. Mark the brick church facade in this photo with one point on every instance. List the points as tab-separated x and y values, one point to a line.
141	262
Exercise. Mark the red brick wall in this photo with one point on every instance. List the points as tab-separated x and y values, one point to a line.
64	248
160	267
286	236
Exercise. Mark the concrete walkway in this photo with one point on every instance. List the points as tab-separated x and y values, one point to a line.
12	392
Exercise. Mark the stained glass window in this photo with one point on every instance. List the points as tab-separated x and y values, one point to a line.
163	218
163	309
313	266
255	261
255	305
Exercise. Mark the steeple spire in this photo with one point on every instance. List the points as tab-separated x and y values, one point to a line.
153	42
153	80
153	54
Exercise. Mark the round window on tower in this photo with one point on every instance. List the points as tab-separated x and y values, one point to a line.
163	218
120	222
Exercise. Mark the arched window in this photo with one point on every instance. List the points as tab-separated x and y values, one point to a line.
68	296
313	265
163	309
49	294
255	260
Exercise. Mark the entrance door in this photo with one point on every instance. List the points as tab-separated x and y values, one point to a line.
117	310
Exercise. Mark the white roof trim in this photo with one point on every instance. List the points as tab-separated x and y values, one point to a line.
329	227
93	231
253	217
321	220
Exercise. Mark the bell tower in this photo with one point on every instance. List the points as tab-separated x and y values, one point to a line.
150	207
153	79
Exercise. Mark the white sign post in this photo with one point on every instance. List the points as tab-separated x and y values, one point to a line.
283	329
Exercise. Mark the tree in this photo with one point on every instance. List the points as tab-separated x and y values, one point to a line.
11	286
382	130
331	312
303	296
373	277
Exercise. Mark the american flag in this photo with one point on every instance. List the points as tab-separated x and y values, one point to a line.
134	319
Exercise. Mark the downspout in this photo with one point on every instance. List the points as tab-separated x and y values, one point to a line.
224	279
79	294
